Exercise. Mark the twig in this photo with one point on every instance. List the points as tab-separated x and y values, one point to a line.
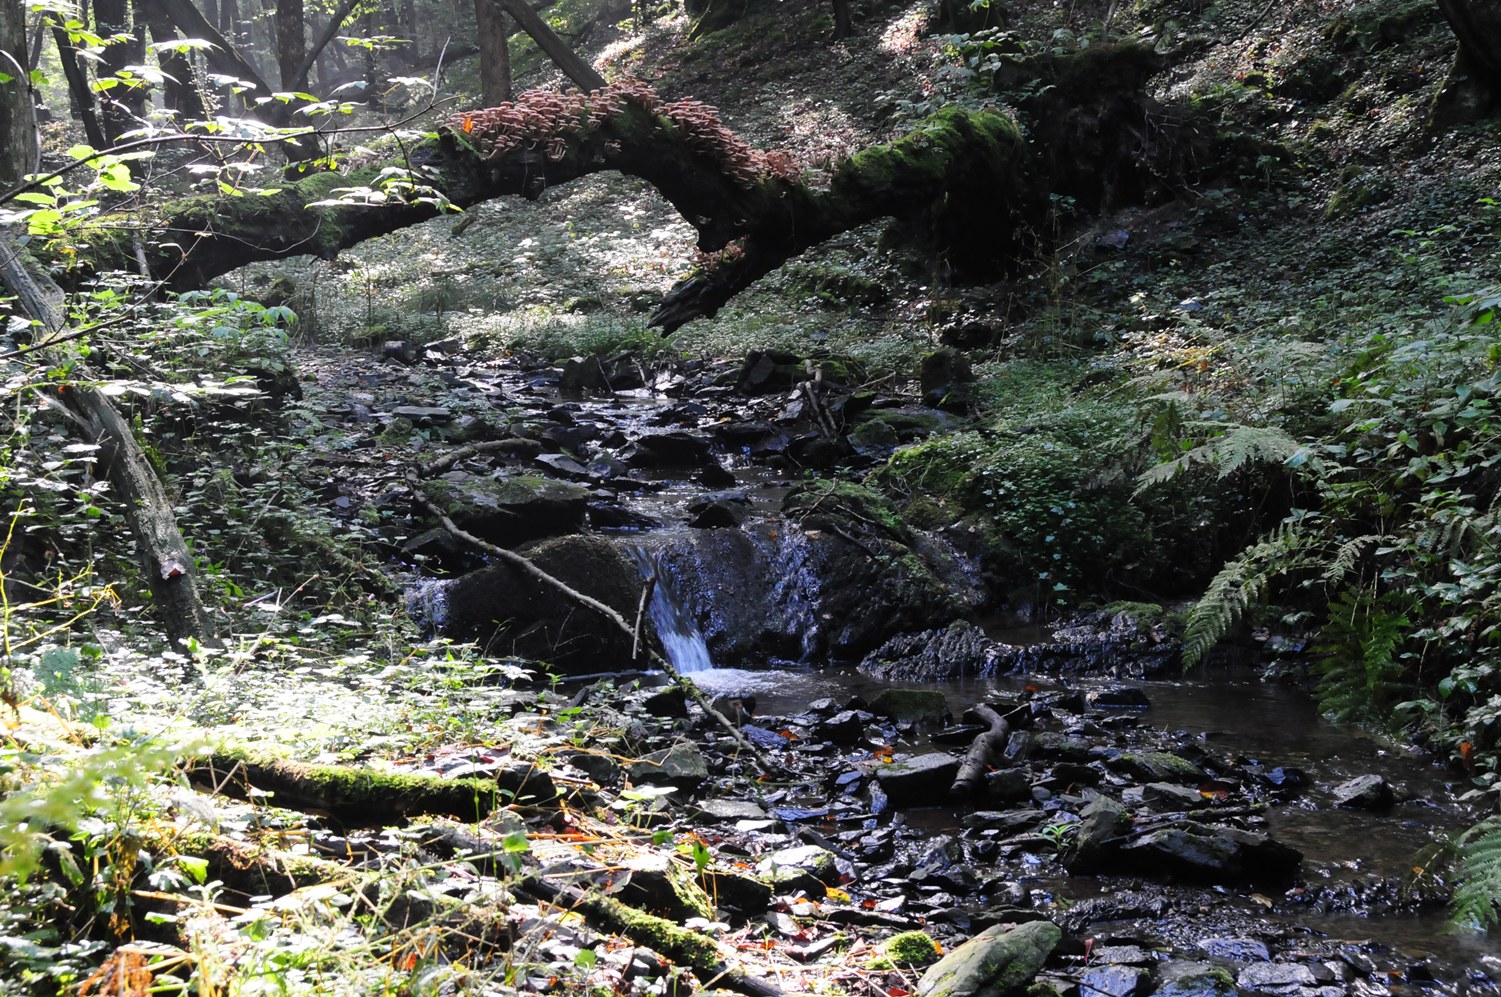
646	594
528	567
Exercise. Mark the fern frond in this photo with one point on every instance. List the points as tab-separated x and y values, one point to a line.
1227	453
1478	894
1238	585
1347	556
1358	669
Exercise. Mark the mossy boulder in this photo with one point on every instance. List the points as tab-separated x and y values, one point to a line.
510	510
512	612
999	962
906	949
1160	766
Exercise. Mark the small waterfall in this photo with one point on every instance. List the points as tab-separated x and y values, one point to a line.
681	639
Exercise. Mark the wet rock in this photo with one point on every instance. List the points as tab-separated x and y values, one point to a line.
1124	955
1123	697
422	415
660	886
1007	820
1183	978
766	371
1101	832
1235	949
1275	977
999	962
669	449
1114	981
728	811
1364	792
1214	853
716	477
946	379
920	781
1008	785
510	510
911	705
582	375
746	895
564	466
845	727
402	351
768	740
1129	905
682	766
1050	744
600	767
809	868
1159	766
1162	796
961	648
719	509
508	611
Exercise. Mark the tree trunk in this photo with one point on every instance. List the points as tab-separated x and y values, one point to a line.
226	59
843	26
1477	25
180	90
80	94
291	41
18	140
123	104
494	53
165	558
580	72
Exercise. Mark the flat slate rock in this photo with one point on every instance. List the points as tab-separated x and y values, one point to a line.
920	781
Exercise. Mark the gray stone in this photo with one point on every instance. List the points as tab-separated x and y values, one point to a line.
1160	766
1365	792
422	415
1238	949
998	962
806	868
724	811
1214	853
1275	977
920	781
1113	981
1121	697
505	511
681	765
1104	825
1194	979
1009	785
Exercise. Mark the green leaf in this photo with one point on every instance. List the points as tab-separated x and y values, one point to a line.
195	867
35	197
82	152
6	78
116	176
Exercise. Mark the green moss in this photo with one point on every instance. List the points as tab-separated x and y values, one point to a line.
909	948
846	505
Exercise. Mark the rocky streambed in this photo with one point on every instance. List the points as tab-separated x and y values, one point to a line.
1174	858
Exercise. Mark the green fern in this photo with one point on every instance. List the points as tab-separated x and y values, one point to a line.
1239	584
1347	557
1235	448
1359	673
1478	869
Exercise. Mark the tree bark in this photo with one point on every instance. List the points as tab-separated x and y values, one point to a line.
291	41
165	558
580	72
180	91
78	89
18	140
123	104
843	24
1477	25
494	52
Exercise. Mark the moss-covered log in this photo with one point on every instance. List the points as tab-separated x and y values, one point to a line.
966	186
364	797
961	180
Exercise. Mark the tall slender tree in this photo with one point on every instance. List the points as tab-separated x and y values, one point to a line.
494	53
17	130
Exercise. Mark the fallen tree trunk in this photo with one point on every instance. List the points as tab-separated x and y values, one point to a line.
962	182
165	558
983	753
364	797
